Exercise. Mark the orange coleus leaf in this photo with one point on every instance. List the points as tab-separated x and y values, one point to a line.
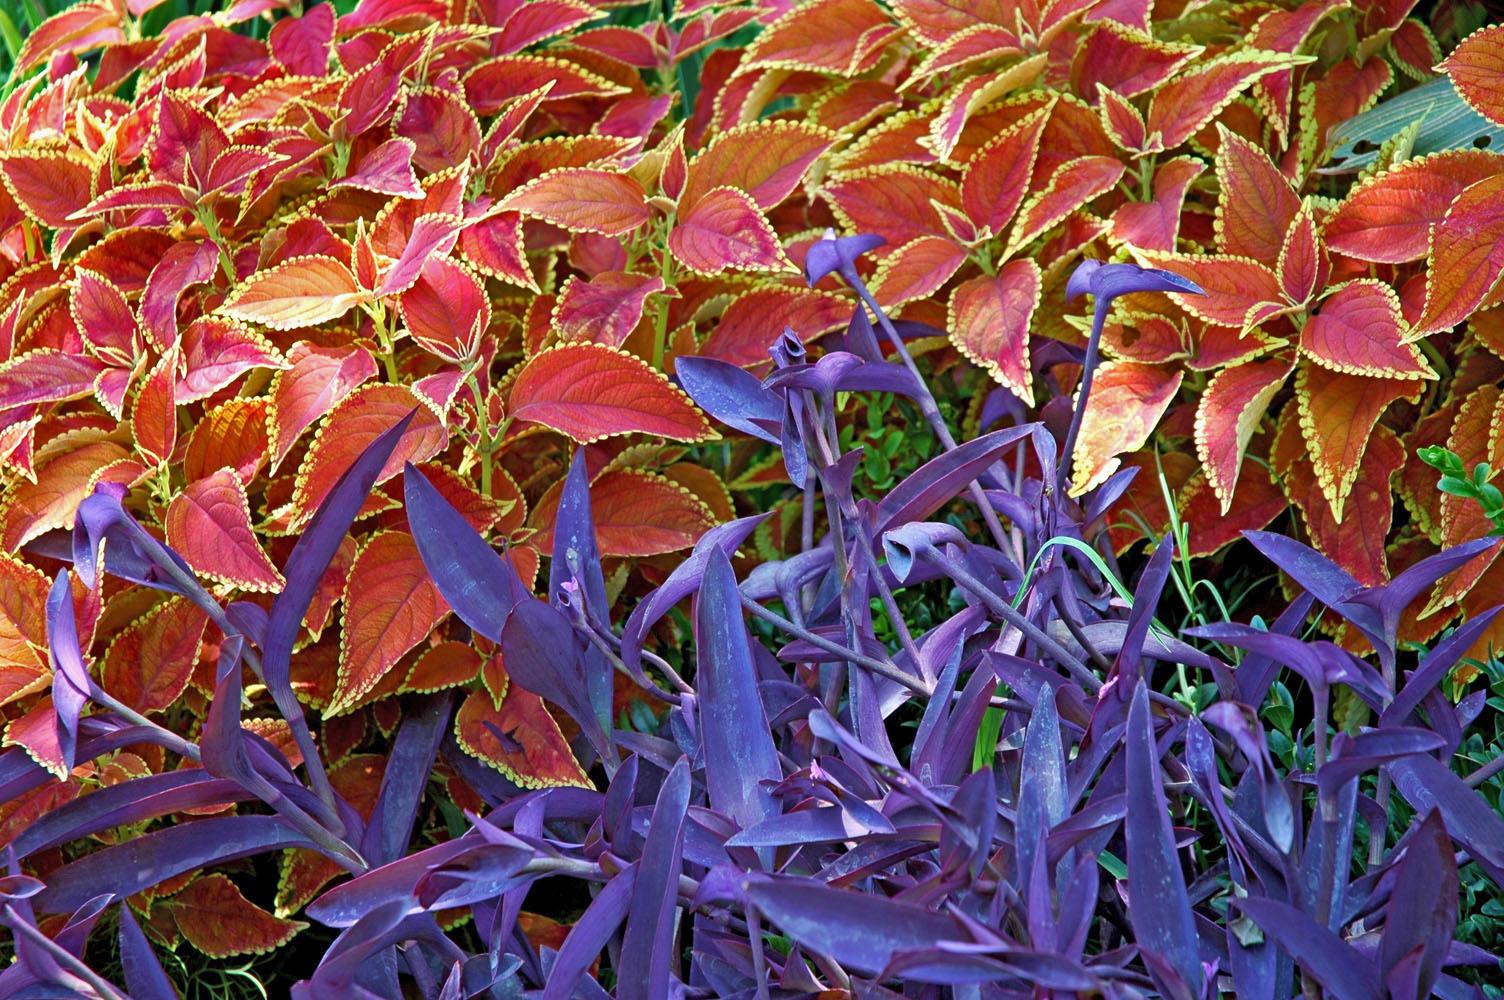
364	416
1211	523
1127	400
970	95
1122	122
391	604
1228	415
823	36
1233	285
989	323
1255	203
231	435
301	291
494	246
36	732
23	616
591	392
154	420
1467	256
530	749
1338	412
1075	184
582	199
317	380
446	310
724	230
66	471
755	319
1155	225
1358	329
447	665
1476	67
1387	218
1475	436
209	524
765	159
895	201
150	661
1355	540
217	920
917	270
997	176
49	185
1182	106
636	513
604	309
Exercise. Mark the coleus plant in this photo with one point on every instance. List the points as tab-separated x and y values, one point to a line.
814	816
992	145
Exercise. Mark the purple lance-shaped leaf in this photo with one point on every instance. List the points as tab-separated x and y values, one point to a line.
1331	961
70	677
1151	583
1391	599
732	395
1105	282
647	952
835	253
1322	579
1428	784
129	551
142	862
1257	671
1422	911
860	931
576	557
479	584
144	976
590	933
541	653
128	802
935	483
840	371
1159	907
344	904
1442	657
738	744
405	778
683	581
1042	791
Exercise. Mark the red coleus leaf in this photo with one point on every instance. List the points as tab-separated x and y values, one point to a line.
148	664
605	309
636	514
46	376
36	732
104	318
1355	539
972	94
1075	184
1338	412
350	427
1227	416
443	129
216	352
1358	329
446	310
1303	267
1155	225
49	185
591	392
755	319
997	176
1127	400
184	143
989	323
180	268
765	159
825	36
1125	61
447	665
530	750
1185	104
390	605
316	381
386	169
917	270
1467	256
1122	122
217	920
494	246
896	202
1212	523
583	199
304	44
303	291
1476	67
492	84
1233	285
1388	217
209	524
724	230
154	419
1255	203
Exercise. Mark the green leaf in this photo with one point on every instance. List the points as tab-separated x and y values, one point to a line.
1445	122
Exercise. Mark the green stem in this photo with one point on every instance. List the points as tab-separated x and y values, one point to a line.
660	323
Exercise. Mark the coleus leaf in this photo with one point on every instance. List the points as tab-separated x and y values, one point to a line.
582	199
1360	330
149	663
1182	106
1475	70
1388	217
725	230
209	525
1465	259
302	291
1338	412
989	323
765	159
1227	416
1126	403
591	392
518	738
216	919
1255	203
390	605
606	308
317	381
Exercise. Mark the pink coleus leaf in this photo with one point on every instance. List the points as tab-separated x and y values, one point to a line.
725	230
209	524
606	308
